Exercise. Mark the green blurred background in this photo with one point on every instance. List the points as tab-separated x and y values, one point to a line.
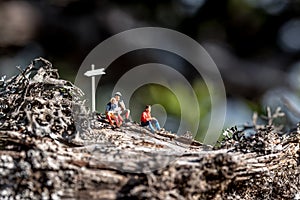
255	44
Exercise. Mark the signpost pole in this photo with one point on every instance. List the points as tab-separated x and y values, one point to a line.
93	90
92	73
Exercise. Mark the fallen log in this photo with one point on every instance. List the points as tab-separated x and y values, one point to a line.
47	153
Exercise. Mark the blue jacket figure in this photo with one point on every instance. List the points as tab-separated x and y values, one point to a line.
112	113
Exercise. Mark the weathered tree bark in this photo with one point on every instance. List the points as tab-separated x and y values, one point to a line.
48	153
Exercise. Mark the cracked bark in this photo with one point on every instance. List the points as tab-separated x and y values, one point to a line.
47	153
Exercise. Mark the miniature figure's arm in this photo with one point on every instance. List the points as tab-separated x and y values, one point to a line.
147	116
108	108
122	105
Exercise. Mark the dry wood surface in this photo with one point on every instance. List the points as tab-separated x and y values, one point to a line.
52	147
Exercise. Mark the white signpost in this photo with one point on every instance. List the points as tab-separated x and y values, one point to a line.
92	73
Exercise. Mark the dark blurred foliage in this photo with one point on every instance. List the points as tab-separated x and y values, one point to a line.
255	43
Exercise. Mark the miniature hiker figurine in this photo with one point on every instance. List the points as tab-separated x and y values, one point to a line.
147	120
112	114
121	107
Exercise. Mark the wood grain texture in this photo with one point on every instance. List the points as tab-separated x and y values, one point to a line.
42	155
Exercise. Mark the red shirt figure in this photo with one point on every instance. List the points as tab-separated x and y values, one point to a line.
146	115
147	119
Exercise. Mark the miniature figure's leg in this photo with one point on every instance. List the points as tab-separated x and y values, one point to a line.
151	127
156	124
149	124
117	120
120	120
109	117
127	114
